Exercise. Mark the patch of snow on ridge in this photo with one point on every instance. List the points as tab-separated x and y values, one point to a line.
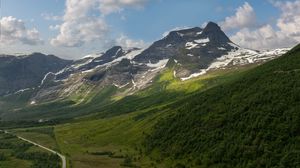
22	90
202	72
169	45
120	86
240	57
130	55
93	55
119	50
190	45
243	56
180	34
45	77
221	48
159	64
82	64
206	40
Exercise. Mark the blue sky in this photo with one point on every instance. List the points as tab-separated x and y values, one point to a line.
136	22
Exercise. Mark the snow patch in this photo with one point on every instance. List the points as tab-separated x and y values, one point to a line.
93	55
191	45
159	64
22	90
169	45
202	72
45	77
180	34
206	40
120	86
221	48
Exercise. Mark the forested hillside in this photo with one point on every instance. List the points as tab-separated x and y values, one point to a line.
251	122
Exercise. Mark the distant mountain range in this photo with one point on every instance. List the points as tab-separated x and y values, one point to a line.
27	71
190	52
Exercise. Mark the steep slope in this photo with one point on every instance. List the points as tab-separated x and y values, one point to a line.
251	122
22	72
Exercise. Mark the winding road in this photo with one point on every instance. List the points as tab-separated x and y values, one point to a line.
63	158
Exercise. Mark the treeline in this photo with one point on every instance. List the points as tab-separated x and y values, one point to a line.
41	159
249	123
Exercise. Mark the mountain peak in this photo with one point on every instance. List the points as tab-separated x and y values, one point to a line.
215	33
114	49
212	26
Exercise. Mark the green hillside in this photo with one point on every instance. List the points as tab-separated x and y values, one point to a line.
251	122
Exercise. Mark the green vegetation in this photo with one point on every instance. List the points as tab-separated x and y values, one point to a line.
253	121
17	153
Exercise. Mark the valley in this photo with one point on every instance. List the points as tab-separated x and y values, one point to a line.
191	99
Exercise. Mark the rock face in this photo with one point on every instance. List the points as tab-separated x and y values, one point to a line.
17	73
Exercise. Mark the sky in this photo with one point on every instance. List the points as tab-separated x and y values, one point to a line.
72	29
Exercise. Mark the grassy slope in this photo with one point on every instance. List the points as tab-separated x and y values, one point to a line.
251	122
129	121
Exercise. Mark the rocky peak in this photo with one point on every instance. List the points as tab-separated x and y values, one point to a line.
214	33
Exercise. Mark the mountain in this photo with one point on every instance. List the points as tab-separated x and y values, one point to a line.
27	71
193	48
189	53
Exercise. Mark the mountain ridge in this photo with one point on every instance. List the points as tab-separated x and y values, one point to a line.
189	52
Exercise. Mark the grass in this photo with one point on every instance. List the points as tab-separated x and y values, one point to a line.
41	135
15	163
119	135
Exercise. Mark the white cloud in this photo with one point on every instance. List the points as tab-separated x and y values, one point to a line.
264	37
285	34
111	6
84	20
51	16
13	31
54	27
126	42
289	21
244	17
